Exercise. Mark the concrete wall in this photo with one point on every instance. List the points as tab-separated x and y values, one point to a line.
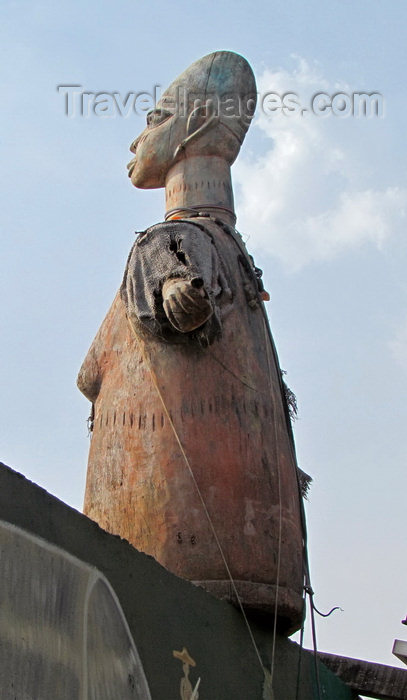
164	614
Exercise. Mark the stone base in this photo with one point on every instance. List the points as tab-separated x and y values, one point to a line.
260	599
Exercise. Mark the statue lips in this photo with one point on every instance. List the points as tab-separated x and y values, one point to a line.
133	148
130	166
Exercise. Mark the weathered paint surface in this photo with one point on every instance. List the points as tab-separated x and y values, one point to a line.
226	404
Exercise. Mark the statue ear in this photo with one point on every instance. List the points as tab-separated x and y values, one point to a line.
197	119
201	119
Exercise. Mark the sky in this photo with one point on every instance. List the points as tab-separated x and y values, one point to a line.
321	200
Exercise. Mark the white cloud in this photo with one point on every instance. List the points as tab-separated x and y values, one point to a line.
319	189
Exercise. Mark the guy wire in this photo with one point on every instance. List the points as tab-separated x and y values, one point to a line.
297	689
186	460
307	586
234	234
280	518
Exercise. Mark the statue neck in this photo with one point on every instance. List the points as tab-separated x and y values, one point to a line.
201	184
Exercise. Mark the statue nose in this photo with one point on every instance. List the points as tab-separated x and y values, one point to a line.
133	147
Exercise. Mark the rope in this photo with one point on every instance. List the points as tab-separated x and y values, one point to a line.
187	462
236	237
310	592
198	210
280	519
307	587
301	645
326	614
227	369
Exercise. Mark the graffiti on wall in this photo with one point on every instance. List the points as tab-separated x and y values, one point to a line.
186	690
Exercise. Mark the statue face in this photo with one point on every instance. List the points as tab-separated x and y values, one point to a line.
184	106
155	147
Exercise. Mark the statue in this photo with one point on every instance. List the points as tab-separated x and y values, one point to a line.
192	458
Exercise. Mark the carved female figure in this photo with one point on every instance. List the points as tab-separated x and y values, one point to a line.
192	446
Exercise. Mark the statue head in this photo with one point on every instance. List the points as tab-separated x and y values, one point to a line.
206	111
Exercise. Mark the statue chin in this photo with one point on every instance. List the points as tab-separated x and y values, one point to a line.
146	180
